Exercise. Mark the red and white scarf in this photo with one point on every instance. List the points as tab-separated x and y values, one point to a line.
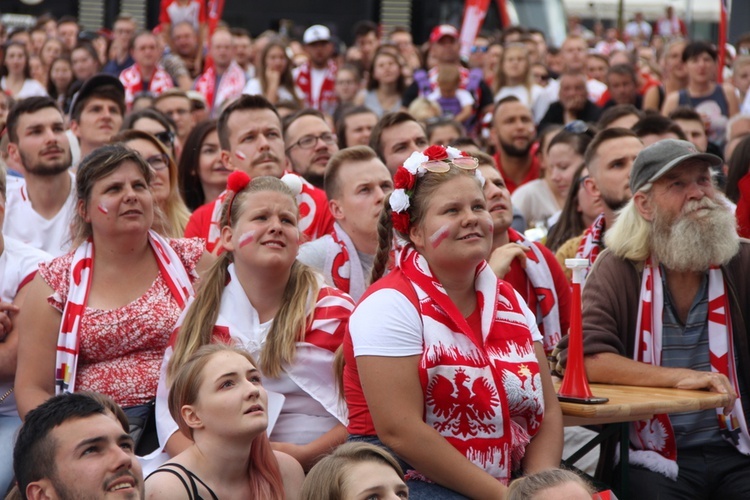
133	82
342	260
483	390
230	86
312	369
591	243
544	301
653	440
326	100
81	270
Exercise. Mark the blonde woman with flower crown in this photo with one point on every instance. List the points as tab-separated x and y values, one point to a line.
259	296
444	364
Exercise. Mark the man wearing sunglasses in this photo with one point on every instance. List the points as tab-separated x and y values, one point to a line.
309	144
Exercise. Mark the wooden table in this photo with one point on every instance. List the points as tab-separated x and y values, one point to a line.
628	404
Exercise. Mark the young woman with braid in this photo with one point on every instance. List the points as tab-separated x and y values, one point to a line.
444	364
259	296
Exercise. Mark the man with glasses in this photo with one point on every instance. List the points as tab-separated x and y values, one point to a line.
309	144
38	210
175	104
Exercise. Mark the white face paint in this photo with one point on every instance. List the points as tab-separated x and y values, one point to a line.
240	155
247	238
438	236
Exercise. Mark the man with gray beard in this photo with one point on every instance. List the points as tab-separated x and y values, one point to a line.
666	305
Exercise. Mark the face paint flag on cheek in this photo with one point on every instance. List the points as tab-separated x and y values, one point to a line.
240	155
247	238
438	236
103	209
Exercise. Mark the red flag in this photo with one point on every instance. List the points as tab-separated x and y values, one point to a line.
215	11
474	14
723	15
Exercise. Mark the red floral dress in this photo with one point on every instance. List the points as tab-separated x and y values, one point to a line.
122	349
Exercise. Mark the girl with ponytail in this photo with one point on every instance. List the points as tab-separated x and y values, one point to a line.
259	296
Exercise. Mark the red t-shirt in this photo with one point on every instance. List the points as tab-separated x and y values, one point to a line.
532	174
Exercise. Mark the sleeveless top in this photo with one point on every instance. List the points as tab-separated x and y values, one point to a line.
192	489
714	107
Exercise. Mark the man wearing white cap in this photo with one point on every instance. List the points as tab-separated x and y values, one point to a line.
316	79
666	305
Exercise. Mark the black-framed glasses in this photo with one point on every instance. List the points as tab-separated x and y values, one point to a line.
309	141
166	137
158	162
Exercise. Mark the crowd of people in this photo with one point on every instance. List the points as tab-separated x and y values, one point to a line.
274	267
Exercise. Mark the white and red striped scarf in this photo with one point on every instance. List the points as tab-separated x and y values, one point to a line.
544	303
81	271
230	86
483	390
312	369
591	242
326	100
343	263
133	82
653	440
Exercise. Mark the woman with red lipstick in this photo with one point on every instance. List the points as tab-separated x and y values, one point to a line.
100	317
259	296
444	364
219	402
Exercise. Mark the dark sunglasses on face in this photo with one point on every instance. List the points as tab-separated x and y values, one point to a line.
166	137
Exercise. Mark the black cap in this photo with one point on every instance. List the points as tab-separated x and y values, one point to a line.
93	83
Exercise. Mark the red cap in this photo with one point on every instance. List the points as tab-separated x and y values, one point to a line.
443	30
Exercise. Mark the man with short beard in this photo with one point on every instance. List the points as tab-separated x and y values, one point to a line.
309	144
513	134
609	158
39	209
666	306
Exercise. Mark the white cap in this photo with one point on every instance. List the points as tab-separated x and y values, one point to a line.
316	33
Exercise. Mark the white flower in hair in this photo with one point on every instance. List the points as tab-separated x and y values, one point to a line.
413	162
453	153
481	178
399	201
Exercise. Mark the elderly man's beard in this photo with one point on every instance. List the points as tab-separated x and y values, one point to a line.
704	234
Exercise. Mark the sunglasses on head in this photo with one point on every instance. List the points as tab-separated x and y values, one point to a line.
166	137
441	166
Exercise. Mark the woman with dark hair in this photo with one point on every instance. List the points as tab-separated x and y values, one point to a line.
201	174
157	124
385	83
438	324
16	78
274	80
85	61
59	80
738	185
100	317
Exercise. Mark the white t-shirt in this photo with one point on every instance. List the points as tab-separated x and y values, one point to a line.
23	223
536	100
252	87
18	263
535	201
31	88
387	324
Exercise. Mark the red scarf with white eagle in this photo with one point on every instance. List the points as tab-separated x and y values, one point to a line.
654	439
544	301
230	86
326	100
132	80
81	271
483	389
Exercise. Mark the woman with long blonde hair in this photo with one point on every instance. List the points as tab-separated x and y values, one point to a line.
258	295
514	78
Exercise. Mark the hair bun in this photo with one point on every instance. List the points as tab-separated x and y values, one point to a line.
293	182
237	181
